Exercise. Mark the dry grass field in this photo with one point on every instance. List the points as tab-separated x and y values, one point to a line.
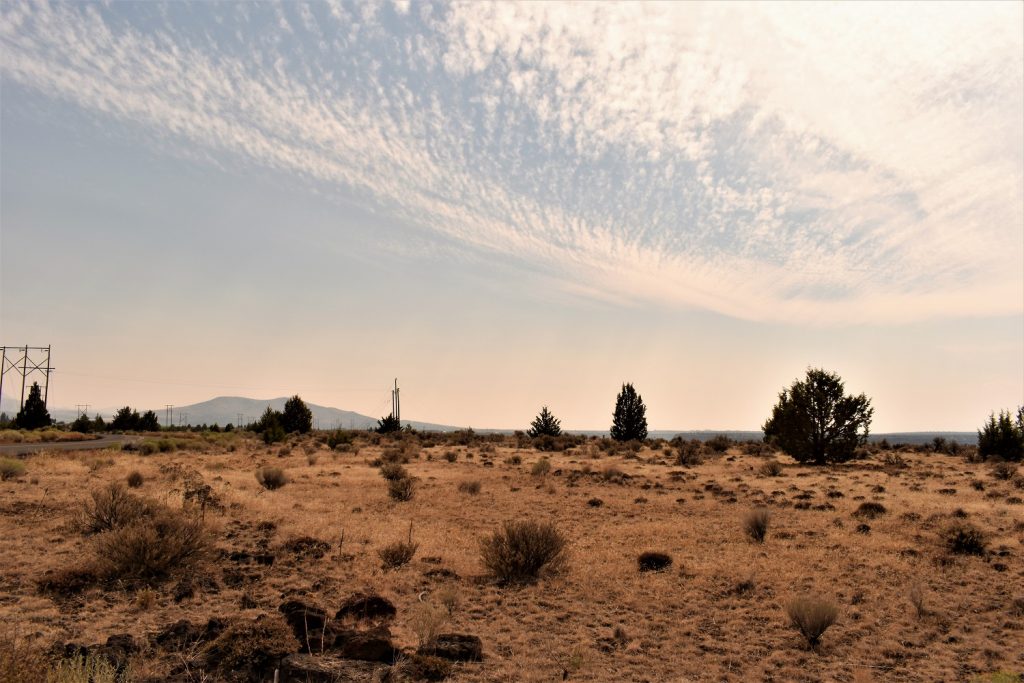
910	608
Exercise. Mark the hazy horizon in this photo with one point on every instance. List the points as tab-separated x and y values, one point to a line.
514	205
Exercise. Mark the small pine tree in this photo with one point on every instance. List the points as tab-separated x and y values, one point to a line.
629	422
389	424
98	425
82	424
545	424
126	419
297	416
33	414
149	422
1003	436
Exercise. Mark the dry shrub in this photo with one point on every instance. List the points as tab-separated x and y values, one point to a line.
653	561
67	581
690	453
247	650
451	456
771	468
11	468
20	661
426	621
520	550
1004	471
470	487
869	510
541	467
271	478
399	553
916	597
894	460
755	524
719	443
87	669
135	479
811	616
393	470
962	538
402	489
112	507
152	548
613	474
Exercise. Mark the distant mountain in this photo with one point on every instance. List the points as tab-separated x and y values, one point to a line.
225	409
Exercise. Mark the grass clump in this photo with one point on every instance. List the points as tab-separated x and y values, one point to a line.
811	616
654	561
271	478
962	538
755	524
11	468
772	468
399	553
521	550
541	467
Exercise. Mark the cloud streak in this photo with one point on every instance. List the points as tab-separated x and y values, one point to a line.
801	163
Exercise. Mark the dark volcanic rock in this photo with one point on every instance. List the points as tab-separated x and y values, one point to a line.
373	645
457	647
367	607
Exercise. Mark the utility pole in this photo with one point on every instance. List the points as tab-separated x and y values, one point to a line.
396	405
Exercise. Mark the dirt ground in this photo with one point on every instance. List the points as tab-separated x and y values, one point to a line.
716	614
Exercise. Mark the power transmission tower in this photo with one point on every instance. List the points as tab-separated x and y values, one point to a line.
79	411
168	415
30	359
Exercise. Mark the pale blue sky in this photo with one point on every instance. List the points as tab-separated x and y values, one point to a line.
516	204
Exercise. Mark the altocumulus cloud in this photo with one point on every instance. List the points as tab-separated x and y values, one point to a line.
805	163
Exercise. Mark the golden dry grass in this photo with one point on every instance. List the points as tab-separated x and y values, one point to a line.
717	614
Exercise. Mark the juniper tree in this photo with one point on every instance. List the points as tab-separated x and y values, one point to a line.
297	416
33	414
629	421
545	424
1003	436
814	421
389	424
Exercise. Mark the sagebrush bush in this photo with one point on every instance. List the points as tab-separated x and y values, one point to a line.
470	487
399	553
719	443
110	508
152	548
541	467
755	524
521	550
135	479
811	616
401	490
689	453
11	468
771	468
963	538
393	470
271	478
1004	471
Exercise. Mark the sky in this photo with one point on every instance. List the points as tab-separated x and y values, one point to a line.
517	204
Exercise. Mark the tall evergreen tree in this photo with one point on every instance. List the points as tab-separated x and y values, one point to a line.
545	424
1003	436
297	417
629	421
389	424
33	414
125	419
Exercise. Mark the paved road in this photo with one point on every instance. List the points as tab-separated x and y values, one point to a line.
92	444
